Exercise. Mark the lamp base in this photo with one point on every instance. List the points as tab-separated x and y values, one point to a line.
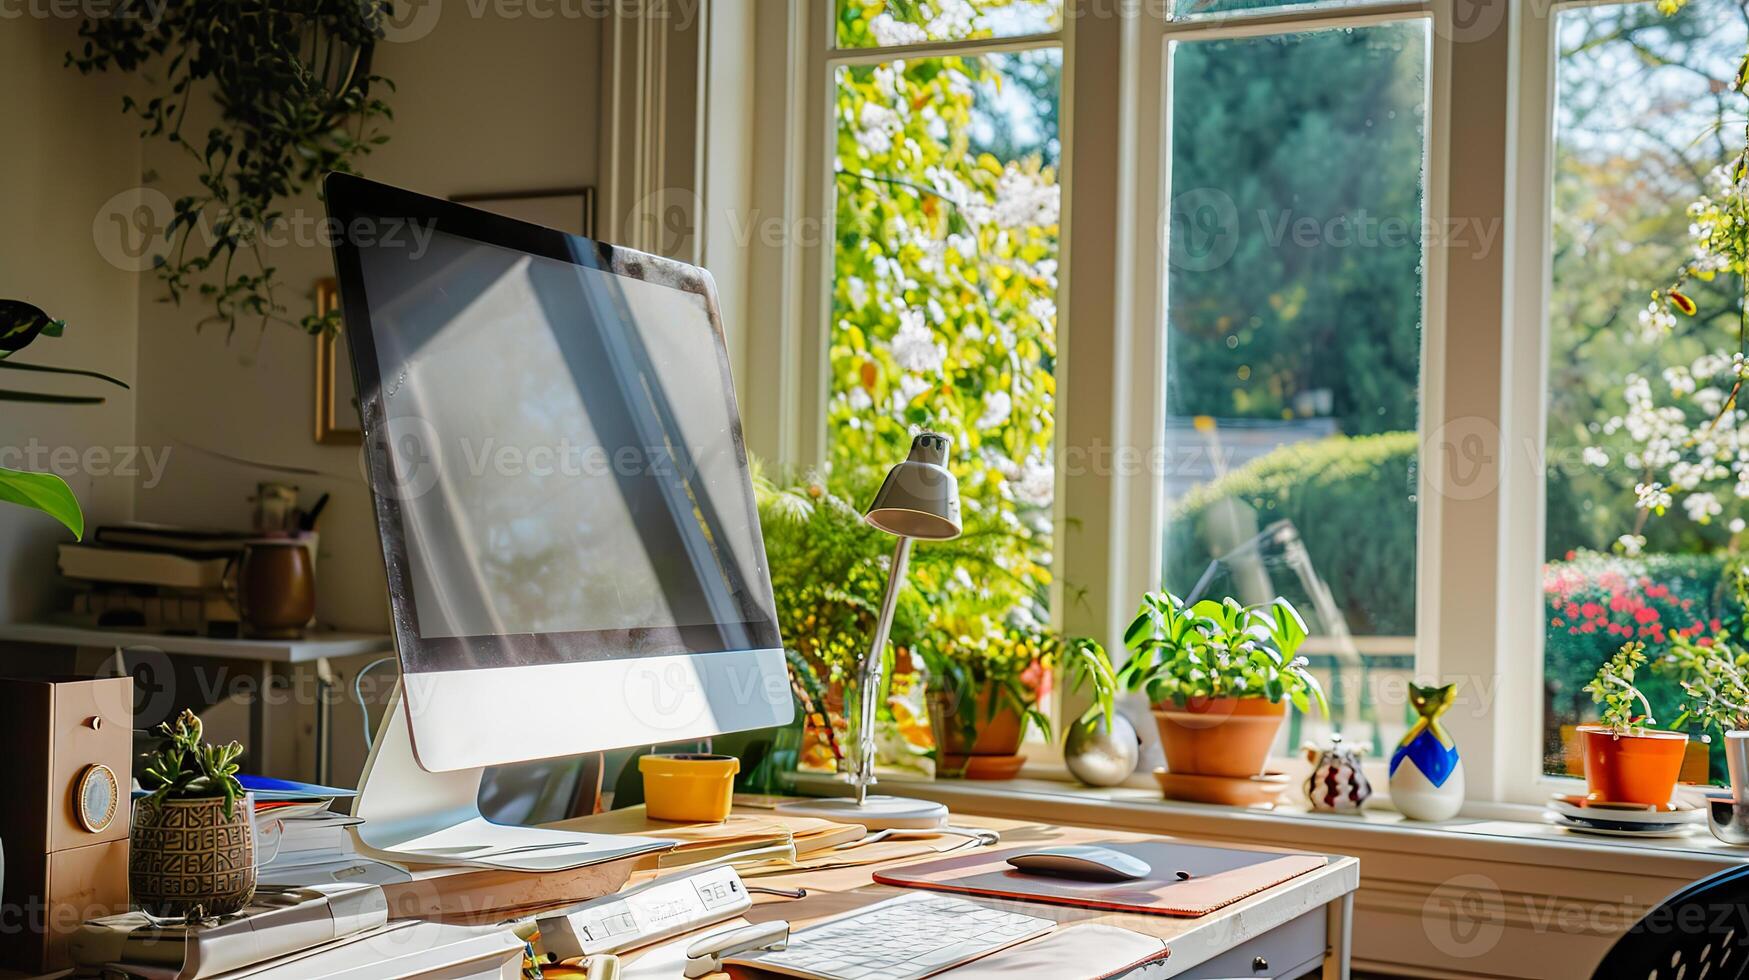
875	813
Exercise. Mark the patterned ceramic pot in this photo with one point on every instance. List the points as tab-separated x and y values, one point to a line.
186	854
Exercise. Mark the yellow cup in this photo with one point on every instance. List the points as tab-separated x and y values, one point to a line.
689	787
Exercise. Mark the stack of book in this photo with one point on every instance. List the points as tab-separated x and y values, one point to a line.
294	934
153	578
304	842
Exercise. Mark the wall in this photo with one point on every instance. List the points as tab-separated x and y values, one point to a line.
69	151
482	104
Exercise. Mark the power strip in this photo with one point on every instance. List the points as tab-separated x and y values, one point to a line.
664	907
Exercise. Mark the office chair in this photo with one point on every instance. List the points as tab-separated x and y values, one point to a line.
1701	931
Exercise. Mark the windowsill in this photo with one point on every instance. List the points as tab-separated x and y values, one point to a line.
1508	833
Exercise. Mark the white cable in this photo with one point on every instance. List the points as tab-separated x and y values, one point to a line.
358	692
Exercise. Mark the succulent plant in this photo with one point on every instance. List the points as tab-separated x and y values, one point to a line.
185	768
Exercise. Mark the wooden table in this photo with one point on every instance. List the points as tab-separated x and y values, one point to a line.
1224	943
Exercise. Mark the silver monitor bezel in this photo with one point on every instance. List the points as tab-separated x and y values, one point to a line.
476	716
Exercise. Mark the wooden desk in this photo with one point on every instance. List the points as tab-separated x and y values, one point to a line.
1313	911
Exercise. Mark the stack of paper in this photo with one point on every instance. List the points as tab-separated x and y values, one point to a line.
741	840
303	842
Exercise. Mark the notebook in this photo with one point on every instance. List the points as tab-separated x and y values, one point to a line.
1218	876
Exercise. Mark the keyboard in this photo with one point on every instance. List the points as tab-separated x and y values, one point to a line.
904	938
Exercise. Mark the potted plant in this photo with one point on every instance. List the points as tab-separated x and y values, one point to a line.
21	323
985	684
1219	676
192	849
1625	761
1714	674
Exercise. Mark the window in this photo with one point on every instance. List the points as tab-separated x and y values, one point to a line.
1293	351
889	23
1643	119
1318	232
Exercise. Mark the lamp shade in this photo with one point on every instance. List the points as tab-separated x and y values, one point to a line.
920	498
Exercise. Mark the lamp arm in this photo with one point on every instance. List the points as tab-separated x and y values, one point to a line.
867	697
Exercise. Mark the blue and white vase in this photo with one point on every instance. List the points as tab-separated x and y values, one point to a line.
1427	777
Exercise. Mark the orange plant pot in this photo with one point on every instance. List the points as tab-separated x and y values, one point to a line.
1219	736
1633	768
994	737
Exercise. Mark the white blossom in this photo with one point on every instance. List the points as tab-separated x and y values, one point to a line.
915	346
997	407
1595	456
1652	496
889	31
1631	544
1702	507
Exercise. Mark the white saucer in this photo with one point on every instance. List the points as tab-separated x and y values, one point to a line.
1682	831
1676	813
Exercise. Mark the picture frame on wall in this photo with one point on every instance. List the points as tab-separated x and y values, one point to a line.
569	209
336	397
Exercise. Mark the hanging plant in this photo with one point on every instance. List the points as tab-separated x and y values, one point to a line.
292	83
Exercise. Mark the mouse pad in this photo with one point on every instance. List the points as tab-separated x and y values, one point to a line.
1219	876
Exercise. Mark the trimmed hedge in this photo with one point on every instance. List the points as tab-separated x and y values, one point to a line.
1353	501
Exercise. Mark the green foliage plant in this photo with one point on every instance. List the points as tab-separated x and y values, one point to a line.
186	768
293	95
1614	689
1218	649
1714	670
21	323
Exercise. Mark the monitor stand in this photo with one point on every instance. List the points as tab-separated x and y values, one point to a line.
412	816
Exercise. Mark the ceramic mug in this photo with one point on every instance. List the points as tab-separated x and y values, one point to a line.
276	588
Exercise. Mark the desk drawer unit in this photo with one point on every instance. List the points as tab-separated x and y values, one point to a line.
1290	950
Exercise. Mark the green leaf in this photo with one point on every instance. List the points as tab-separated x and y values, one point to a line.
45	492
46	369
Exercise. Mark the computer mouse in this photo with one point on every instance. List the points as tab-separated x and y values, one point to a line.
1083	861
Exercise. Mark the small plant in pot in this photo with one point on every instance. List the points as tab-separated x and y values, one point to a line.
1219	676
1626	761
1714	674
192	849
984	690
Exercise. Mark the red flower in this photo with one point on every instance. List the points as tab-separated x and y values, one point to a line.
1592	610
1645	614
1572	610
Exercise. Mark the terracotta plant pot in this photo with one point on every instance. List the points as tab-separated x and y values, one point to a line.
1633	768
186	854
992	737
1219	736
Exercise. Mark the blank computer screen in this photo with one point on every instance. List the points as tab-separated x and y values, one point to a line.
568	465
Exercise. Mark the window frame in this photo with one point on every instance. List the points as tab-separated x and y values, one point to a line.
1484	355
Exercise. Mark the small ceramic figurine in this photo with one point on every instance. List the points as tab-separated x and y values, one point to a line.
1427	777
1337	782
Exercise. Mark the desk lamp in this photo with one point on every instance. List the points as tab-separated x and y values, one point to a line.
919	499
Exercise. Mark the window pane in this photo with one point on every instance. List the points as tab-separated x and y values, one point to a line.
1193	9
1294	345
1643	118
883	23
944	314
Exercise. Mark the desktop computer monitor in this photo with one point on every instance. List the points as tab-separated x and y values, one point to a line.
560	485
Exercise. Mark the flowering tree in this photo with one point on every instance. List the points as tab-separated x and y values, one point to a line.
1686	430
944	294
